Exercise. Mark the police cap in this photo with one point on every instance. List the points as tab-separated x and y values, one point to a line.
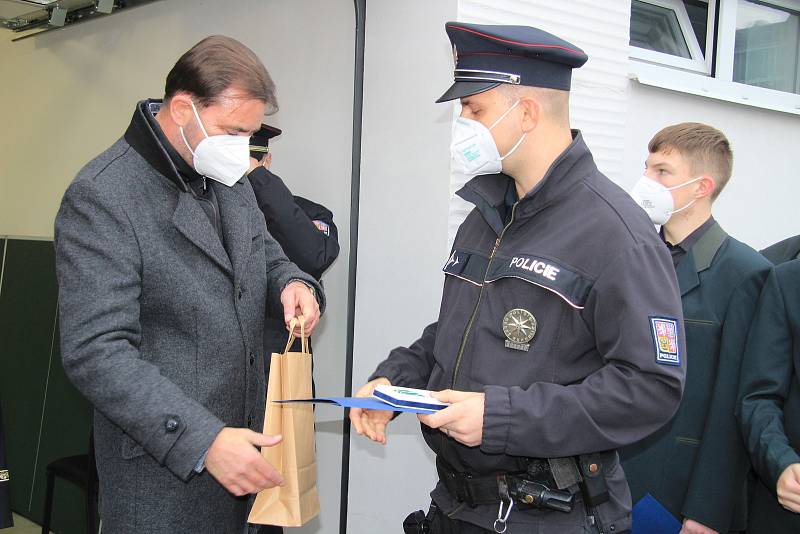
259	141
488	55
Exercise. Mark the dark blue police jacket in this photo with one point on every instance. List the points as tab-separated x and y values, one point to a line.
696	465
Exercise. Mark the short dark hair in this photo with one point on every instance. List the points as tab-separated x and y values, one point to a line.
215	64
705	148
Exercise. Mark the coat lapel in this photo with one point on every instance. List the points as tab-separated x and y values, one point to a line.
193	223
688	278
700	258
236	225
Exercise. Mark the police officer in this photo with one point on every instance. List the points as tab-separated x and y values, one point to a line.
304	229
769	409
697	465
560	334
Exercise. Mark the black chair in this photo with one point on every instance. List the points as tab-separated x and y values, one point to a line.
80	470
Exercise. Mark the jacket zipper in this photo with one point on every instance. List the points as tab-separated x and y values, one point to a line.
480	296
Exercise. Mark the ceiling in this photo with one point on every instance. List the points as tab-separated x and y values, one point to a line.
30	17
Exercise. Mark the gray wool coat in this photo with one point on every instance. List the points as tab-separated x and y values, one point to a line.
161	329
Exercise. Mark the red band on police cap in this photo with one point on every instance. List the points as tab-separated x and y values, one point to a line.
517	42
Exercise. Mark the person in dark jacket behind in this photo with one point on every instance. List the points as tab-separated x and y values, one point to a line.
769	406
696	466
304	229
560	333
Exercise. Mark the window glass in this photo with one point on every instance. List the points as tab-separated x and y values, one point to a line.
767	44
657	28
698	15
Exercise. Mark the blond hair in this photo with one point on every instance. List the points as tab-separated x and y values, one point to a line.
705	148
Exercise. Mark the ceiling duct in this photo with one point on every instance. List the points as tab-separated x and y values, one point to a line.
31	17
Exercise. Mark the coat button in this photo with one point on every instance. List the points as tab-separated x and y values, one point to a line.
241	292
172	424
252	358
249	420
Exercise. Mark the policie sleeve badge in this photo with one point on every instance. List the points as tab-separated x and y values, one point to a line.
665	340
519	326
323	227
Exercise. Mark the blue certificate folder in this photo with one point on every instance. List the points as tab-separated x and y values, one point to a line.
370	403
650	517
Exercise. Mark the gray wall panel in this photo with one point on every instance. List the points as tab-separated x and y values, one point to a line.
402	237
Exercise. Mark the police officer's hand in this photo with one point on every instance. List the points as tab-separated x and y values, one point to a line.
371	422
237	464
693	527
265	162
789	488
297	300
462	420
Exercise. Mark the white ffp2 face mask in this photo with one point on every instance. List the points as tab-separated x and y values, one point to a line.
473	149
223	158
656	199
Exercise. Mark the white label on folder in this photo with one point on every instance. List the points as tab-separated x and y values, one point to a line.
407	397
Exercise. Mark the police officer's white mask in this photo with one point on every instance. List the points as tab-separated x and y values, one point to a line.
656	200
223	158
473	149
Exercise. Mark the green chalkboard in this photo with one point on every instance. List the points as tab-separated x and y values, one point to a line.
44	416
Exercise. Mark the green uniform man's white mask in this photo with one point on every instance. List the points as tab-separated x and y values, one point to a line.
656	199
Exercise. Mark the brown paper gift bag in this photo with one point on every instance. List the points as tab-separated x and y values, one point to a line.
297	501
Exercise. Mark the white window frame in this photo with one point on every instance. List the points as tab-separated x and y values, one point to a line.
720	86
697	63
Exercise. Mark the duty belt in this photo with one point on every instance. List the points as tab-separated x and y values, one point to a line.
534	488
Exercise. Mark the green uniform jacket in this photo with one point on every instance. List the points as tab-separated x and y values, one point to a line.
769	410
696	465
783	251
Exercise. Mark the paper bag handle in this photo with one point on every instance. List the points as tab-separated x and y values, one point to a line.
303	338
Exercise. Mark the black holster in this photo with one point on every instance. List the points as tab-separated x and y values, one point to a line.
419	523
593	487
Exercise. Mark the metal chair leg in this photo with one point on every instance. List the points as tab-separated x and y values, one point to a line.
48	502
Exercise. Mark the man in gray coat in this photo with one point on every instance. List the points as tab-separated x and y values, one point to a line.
165	267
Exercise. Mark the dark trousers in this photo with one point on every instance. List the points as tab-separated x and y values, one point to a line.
441	524
266	529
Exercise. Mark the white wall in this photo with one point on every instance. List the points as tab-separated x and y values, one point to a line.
759	204
402	238
69	94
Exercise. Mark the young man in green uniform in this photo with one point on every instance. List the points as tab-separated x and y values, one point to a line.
696	465
769	409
